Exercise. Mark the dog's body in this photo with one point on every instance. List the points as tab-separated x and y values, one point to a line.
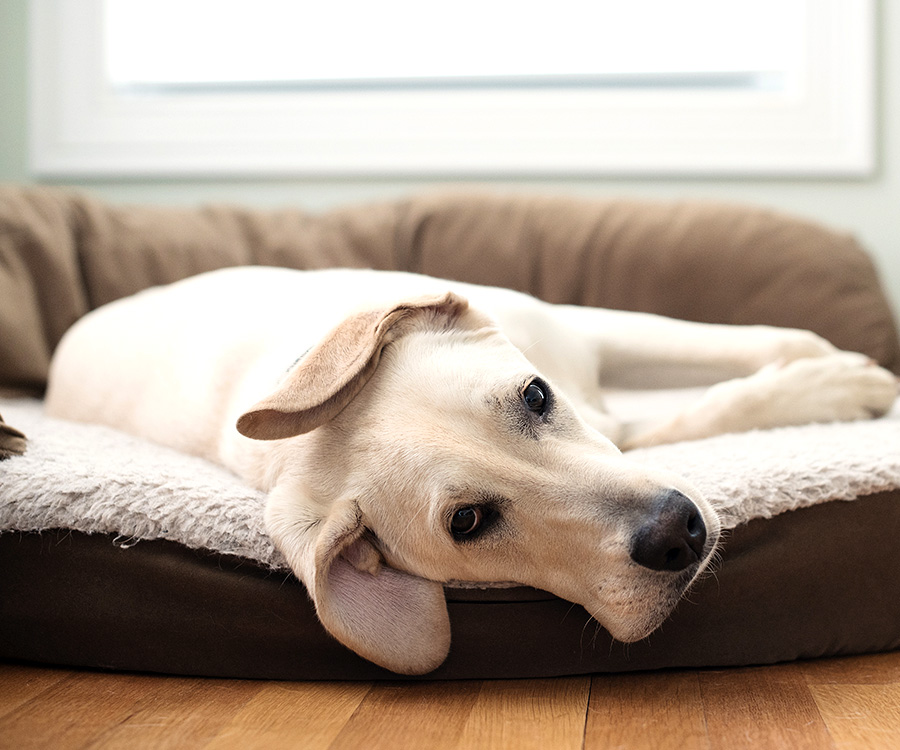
407	439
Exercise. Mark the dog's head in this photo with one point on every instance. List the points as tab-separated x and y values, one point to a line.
417	446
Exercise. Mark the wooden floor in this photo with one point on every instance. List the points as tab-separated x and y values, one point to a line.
837	703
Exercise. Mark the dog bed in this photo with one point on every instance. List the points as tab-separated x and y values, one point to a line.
118	553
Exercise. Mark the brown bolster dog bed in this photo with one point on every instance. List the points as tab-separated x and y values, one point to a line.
117	553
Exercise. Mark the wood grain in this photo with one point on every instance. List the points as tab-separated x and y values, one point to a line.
410	715
845	704
74	712
761	708
20	684
871	669
635	711
312	715
176	713
528	714
860	715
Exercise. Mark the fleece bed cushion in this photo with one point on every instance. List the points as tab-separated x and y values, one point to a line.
122	554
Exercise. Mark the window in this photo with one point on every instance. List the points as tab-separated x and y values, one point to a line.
496	87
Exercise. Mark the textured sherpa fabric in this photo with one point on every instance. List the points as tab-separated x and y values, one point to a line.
766	472
97	480
762	473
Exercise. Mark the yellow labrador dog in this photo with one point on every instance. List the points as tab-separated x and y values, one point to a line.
412	432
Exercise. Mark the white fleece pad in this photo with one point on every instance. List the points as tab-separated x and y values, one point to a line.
97	480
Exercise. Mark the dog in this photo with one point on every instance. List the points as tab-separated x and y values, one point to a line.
413	432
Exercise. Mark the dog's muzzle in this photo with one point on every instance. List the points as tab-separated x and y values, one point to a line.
672	537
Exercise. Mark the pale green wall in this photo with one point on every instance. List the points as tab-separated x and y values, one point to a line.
870	208
13	93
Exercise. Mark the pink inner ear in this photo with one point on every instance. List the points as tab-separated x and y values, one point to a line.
394	619
363	556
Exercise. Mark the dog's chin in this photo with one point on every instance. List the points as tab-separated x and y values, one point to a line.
658	604
637	630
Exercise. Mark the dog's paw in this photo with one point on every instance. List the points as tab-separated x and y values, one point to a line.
784	345
843	386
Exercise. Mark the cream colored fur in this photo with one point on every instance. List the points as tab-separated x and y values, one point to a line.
373	406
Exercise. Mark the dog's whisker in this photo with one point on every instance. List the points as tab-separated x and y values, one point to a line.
411	521
533	344
587	622
568	611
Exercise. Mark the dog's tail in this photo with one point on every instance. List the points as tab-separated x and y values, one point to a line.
12	442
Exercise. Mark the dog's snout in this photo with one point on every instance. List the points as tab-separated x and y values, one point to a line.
672	537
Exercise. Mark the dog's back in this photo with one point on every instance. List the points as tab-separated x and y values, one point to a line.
178	364
169	363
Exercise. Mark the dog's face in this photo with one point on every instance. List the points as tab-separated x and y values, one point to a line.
458	462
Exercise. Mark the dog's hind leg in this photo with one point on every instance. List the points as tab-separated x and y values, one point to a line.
640	350
837	387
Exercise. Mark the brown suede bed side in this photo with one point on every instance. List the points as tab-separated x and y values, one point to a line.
819	581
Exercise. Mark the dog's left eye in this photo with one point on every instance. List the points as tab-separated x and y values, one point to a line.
535	397
465	521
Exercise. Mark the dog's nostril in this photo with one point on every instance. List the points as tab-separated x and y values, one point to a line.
672	537
672	556
695	523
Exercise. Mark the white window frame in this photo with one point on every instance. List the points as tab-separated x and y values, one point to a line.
80	127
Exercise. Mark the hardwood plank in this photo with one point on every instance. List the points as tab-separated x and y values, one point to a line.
860	716
646	711
524	714
397	716
308	715
869	669
847	704
73	712
177	712
761	708
19	683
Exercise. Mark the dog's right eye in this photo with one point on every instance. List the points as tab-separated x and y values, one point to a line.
465	521
536	396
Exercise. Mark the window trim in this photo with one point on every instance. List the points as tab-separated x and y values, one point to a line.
82	128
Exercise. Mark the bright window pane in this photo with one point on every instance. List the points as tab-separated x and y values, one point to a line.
173	43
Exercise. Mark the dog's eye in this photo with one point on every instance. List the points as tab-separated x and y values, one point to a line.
465	520
535	397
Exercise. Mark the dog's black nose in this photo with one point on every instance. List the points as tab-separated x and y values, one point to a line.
673	535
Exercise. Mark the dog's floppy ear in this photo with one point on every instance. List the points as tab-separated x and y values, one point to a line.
335	370
394	619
